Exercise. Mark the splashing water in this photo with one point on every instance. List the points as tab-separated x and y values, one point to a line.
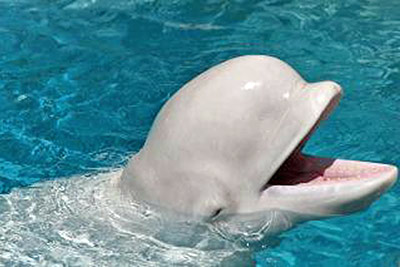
75	222
85	221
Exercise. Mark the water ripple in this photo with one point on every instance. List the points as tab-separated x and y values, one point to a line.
81	82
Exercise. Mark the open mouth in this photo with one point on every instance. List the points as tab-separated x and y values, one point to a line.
303	170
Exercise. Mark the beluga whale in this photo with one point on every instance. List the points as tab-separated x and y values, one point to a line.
220	175
228	145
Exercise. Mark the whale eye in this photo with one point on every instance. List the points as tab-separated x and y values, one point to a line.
215	213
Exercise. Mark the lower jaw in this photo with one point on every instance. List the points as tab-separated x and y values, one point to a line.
301	170
312	187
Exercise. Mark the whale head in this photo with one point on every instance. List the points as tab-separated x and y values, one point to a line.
229	143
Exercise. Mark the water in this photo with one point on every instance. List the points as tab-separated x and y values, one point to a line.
81	81
79	222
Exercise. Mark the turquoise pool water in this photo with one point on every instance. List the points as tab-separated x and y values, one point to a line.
81	81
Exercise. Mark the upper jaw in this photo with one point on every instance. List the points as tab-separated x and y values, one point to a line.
311	104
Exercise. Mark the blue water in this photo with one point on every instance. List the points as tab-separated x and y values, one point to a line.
81	82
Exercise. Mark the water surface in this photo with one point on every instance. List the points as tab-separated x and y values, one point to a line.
81	82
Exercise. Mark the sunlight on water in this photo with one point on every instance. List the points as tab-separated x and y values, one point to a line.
81	81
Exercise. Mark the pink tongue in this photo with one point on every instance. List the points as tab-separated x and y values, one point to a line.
304	170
